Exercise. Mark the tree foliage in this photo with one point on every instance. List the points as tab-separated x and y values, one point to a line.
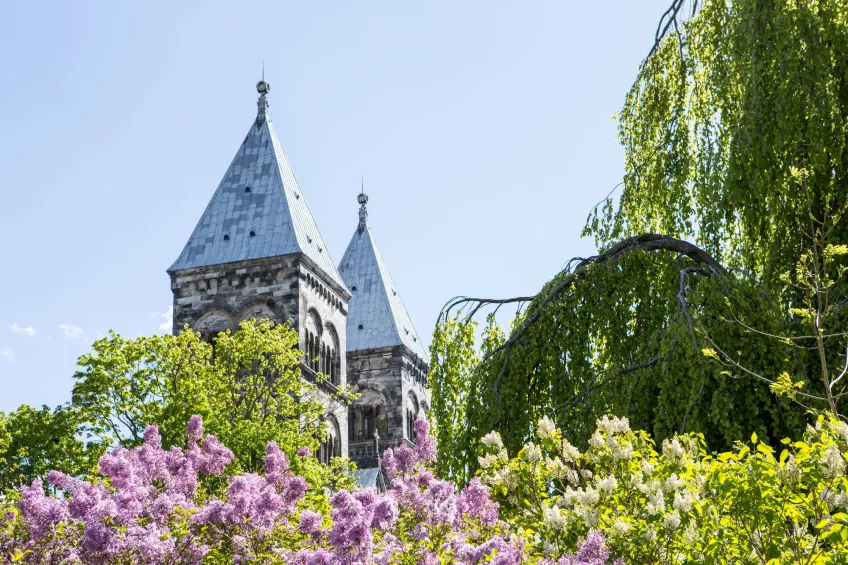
725	107
246	385
36	441
734	135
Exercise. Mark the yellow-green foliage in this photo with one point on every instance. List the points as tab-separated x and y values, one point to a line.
680	504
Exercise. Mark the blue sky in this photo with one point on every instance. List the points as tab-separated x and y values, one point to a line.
483	129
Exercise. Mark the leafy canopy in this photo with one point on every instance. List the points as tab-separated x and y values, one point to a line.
247	386
735	139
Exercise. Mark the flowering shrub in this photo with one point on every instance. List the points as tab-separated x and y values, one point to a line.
175	506
681	505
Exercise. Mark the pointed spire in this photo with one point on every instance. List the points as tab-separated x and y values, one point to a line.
258	210
376	314
362	198
263	88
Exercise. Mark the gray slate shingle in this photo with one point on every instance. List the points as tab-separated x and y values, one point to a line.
275	209
375	304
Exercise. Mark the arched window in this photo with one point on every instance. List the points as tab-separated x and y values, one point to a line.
367	415
331	447
411	415
330	364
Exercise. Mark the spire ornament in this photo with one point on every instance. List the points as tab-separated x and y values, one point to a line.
263	88
362	198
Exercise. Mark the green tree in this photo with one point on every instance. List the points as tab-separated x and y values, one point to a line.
735	139
35	441
246	385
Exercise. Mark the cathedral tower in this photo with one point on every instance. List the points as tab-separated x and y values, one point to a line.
387	363
257	253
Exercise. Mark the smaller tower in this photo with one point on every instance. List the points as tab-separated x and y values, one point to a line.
386	361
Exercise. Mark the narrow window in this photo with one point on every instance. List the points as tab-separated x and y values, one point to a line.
247	189
226	237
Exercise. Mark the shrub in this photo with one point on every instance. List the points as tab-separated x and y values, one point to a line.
176	506
681	505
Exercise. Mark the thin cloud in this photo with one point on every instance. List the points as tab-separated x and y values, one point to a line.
167	318
29	332
72	331
7	354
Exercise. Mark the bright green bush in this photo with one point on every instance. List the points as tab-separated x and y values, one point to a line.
679	505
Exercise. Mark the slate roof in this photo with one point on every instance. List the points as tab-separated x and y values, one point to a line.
375	303
368	479
274	209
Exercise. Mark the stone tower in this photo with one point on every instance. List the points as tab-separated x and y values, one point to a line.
257	253
387	363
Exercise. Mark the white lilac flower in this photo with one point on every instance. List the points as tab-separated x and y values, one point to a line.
570	497
620	526
533	452
555	467
620	450
545	428
673	483
554	518
607	484
493	439
597	440
832	464
841	429
647	468
591	516
690	534
788	473
671	520
604	424
613	425
486	461
586	474
550	549
656	502
682	502
569	452
588	497
674	451
650	534
840	501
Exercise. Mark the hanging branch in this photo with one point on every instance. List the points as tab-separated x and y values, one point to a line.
646	242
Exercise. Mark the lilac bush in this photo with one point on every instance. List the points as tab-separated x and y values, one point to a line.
176	506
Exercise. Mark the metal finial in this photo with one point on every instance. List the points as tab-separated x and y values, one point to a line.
263	88
362	198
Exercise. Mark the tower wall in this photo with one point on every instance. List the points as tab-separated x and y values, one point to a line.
285	289
384	375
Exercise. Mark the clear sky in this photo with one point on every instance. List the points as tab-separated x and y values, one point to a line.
483	129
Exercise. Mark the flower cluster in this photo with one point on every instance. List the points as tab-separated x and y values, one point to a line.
680	505
149	508
420	515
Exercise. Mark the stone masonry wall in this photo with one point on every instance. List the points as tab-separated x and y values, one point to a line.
282	289
386	375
